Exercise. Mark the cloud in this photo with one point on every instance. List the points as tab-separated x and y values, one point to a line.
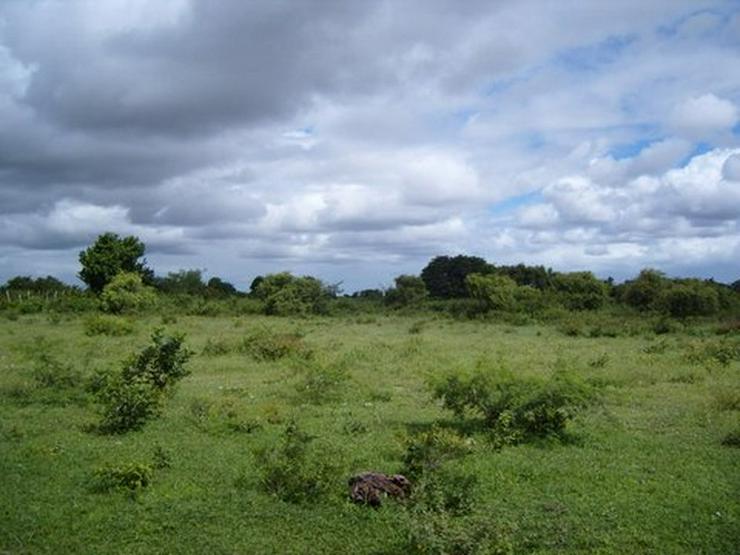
324	133
701	117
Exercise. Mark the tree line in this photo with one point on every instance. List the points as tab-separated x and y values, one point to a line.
115	271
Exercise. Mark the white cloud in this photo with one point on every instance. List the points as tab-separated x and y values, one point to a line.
703	116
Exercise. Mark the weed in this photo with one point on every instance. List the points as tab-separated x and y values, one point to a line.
49	372
217	347
161	458
267	346
132	476
417	327
427	450
322	382
727	398
600	361
114	326
656	348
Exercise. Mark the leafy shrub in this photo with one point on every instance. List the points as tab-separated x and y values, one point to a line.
132	476
445	490
408	291
495	292
288	471
721	352
216	347
108	325
135	394
690	297
51	373
442	533
580	290
516	408
126	293
322	382
427	450
267	346
284	294
160	364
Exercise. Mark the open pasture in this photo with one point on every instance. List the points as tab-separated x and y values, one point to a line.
647	466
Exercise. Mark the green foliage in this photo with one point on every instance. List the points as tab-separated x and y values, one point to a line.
126	293
721	352
443	533
426	451
409	291
286	295
515	408
732	439
49	372
495	292
182	282
42	285
132	476
113	326
644	291
580	290
289	471
445	276
162	363
266	345
109	256
322	382
690	298
136	394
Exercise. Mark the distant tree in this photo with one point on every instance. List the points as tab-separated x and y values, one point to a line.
534	276
217	287
109	256
182	282
690	297
444	276
369	294
284	294
494	291
40	285
409	290
644	292
580	290
254	286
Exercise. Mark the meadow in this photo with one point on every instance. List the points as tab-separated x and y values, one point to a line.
252	450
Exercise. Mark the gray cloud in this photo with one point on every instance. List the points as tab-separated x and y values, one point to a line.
328	133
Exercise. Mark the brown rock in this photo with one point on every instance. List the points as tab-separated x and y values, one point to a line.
369	488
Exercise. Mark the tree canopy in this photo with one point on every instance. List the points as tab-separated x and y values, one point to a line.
109	256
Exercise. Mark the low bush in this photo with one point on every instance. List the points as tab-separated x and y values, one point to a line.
49	372
126	293
113	326
721	352
322	382
135	394
265	345
131	476
427	450
516	408
291	472
442	533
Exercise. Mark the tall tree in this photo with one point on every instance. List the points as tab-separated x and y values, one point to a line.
109	256
444	276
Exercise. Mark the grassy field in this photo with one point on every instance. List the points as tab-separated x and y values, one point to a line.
643	468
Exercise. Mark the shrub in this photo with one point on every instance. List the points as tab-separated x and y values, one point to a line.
322	382
644	291
442	533
288	471
409	291
495	292
516	408
427	450
216	347
580	290
690	297
126	293
51	373
284	295
135	394
266	345
108	325
132	476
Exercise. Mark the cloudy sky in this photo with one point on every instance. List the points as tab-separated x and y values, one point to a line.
356	140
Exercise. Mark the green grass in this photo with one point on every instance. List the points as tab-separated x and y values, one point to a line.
644	469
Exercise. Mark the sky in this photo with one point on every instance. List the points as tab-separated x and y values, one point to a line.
354	141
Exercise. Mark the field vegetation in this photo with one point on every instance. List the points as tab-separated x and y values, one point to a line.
532	412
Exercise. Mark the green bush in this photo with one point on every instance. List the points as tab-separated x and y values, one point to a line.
690	297
266	345
113	326
580	290
286	295
426	451
131	476
126	293
135	394
290	472
409	291
322	382
442	533
49	372
516	408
